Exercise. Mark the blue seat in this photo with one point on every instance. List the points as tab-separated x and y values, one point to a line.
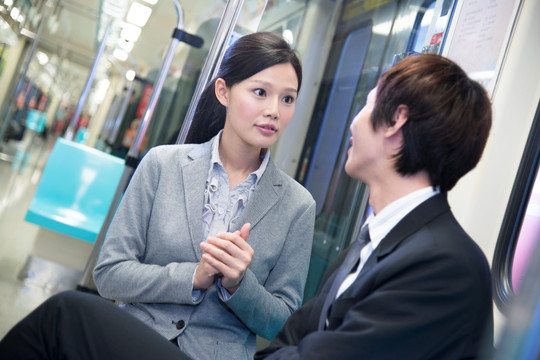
75	190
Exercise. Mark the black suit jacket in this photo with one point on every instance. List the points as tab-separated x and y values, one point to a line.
424	293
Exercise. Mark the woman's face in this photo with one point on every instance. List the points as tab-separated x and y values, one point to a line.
260	107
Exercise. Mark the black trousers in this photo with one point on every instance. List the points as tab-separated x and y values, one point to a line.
76	325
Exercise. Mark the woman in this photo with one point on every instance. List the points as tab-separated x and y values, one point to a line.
211	242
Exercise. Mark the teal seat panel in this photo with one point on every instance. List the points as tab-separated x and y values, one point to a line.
52	220
75	190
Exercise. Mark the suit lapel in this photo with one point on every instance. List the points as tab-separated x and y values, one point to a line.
269	191
194	174
410	224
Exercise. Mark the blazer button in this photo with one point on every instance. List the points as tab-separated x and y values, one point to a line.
180	324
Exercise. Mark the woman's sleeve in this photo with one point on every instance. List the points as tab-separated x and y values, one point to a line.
264	309
119	273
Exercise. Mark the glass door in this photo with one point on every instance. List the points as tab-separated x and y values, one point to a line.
368	37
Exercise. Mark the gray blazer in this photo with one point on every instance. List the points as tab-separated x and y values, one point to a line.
152	248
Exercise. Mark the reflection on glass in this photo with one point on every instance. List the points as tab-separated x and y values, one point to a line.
352	70
519	339
422	30
521	226
528	237
364	44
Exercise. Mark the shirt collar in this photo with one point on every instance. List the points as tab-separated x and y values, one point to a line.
382	223
215	159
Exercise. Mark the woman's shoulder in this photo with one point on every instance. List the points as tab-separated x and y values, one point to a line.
174	148
294	190
177	151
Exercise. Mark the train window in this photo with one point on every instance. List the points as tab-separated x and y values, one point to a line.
423	20
284	17
365	41
358	50
520	230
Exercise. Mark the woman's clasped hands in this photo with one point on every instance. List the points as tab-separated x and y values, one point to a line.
226	256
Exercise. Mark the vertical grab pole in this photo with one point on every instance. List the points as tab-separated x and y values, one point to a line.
70	131
114	118
213	61
30	55
87	283
125	103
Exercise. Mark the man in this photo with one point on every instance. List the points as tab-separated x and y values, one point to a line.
418	287
423	287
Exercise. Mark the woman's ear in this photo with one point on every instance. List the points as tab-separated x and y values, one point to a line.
222	92
400	118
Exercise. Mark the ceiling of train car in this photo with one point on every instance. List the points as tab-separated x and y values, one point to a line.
80	28
73	30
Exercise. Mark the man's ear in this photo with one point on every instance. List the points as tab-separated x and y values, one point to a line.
400	118
221	91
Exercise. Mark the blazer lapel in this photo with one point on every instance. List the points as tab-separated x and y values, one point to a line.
194	174
420	216
269	191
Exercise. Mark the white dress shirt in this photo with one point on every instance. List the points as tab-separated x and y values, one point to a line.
382	223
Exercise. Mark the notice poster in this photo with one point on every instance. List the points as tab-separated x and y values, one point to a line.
479	39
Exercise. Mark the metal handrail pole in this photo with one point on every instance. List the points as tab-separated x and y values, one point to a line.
87	281
70	131
29	58
213	60
114	108
125	103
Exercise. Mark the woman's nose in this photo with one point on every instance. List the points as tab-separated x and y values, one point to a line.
272	109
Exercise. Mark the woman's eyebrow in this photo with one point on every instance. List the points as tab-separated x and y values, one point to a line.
268	84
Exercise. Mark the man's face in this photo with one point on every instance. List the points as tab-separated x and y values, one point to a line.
365	153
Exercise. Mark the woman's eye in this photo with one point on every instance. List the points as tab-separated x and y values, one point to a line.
260	92
288	99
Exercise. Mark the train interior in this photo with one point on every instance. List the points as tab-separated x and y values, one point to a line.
82	101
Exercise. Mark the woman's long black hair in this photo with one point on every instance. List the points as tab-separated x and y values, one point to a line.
247	56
